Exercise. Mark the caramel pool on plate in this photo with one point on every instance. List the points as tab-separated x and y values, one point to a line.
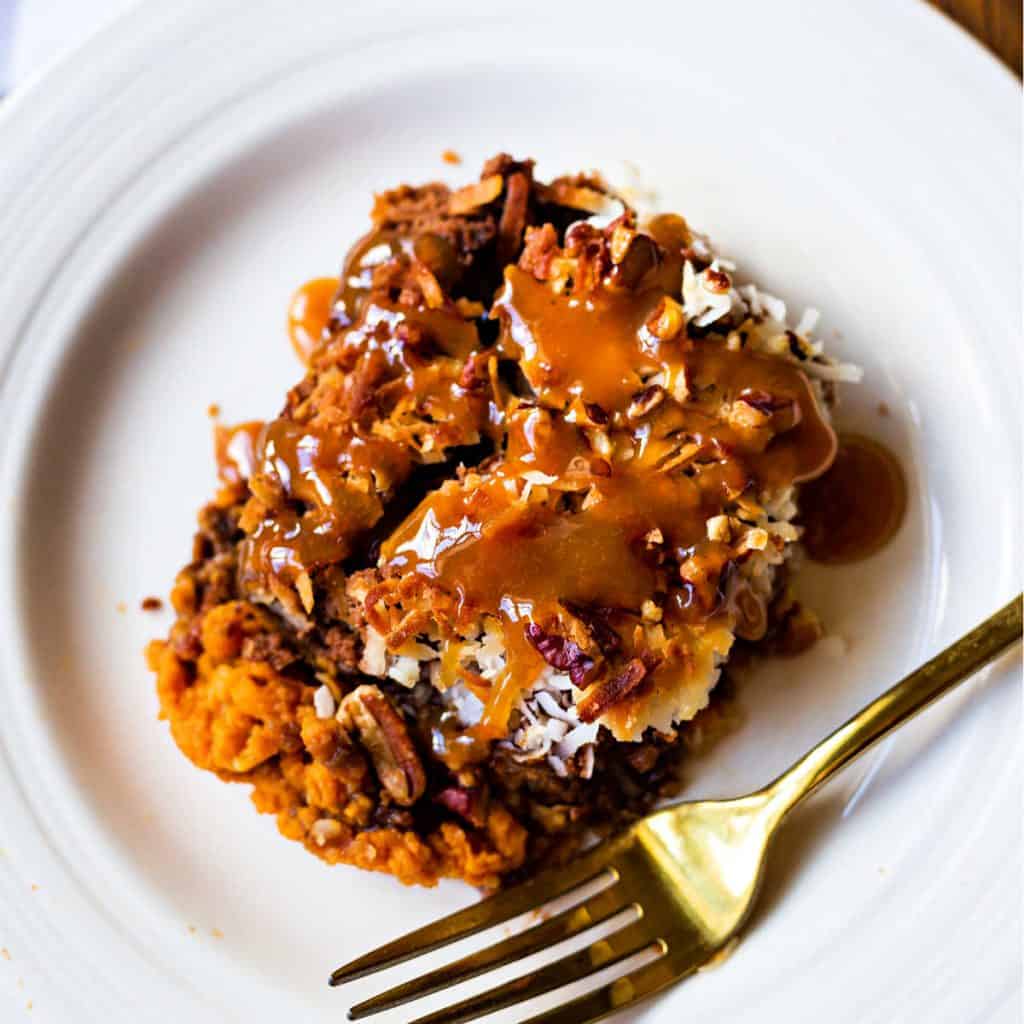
855	508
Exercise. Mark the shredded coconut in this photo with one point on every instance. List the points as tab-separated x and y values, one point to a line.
323	703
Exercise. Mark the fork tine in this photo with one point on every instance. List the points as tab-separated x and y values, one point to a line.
494	910
679	961
568	923
604	953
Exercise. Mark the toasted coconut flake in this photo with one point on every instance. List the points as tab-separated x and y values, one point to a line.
576	738
405	671
719	528
467	705
304	586
374	661
707	295
539	479
754	540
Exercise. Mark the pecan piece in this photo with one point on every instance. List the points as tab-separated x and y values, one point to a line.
667	320
368	713
540	250
641	256
645	401
579	196
717	281
513	216
560	653
595	619
480	193
599	698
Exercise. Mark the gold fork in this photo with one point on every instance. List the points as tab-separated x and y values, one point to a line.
689	875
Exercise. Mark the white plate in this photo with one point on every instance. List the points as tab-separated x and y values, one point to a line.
163	192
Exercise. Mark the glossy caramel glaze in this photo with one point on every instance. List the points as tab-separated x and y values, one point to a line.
856	508
308	314
235	450
617	434
593	347
599	538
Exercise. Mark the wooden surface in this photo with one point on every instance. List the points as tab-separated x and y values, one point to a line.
997	23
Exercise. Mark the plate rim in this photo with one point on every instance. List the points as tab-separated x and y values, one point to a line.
101	39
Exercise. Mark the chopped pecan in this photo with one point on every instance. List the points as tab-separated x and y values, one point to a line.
539	252
783	411
596	621
578	195
717	281
600	697
641	256
560	653
480	193
667	320
760	400
646	401
368	713
513	216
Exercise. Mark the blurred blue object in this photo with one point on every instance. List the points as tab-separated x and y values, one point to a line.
6	34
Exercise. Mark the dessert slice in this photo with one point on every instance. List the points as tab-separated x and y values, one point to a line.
464	601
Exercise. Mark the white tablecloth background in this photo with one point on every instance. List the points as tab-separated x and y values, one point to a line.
35	32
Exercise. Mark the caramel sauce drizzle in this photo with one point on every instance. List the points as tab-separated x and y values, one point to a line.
605	525
543	332
235	449
322	482
520	560
308	314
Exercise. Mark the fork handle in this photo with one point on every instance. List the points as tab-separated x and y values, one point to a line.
909	696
